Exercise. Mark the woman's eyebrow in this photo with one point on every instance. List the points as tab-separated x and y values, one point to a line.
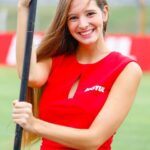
74	13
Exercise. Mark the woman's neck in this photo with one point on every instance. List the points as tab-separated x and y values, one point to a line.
91	53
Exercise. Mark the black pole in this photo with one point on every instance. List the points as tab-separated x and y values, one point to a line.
26	65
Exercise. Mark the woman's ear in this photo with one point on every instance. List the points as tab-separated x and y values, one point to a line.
105	13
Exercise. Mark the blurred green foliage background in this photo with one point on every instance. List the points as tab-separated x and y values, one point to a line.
123	19
134	134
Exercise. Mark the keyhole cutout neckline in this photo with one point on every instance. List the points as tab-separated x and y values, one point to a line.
74	87
73	90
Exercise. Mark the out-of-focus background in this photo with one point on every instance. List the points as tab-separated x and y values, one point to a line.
128	33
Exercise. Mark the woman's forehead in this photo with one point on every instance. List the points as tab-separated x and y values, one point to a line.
81	5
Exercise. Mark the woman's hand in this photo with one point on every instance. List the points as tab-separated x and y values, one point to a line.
24	3
22	115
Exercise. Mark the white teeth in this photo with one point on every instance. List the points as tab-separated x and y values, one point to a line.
86	33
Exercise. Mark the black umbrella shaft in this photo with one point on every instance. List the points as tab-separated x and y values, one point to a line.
26	66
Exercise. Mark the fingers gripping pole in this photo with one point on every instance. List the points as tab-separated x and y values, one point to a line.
26	65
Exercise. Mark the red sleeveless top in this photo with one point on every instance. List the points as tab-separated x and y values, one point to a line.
94	86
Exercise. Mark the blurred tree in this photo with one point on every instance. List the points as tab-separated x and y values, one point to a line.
142	17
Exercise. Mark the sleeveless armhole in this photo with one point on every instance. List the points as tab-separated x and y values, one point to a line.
118	64
125	61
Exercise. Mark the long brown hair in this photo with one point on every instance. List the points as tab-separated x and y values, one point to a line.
101	4
56	41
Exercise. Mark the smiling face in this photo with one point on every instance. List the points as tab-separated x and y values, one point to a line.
85	21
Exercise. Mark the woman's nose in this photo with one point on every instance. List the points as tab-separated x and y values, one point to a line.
83	23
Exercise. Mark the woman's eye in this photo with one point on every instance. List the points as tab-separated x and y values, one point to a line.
73	18
90	14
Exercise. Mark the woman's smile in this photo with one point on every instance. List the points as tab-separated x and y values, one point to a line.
86	33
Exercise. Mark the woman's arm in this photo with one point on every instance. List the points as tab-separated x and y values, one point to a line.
38	71
105	124
118	103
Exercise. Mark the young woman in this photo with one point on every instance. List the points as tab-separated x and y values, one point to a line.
88	90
